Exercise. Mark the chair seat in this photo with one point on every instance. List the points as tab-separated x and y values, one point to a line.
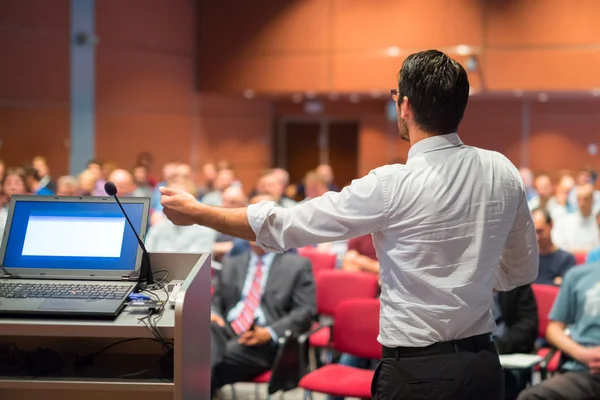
263	378
554	361
321	337
339	380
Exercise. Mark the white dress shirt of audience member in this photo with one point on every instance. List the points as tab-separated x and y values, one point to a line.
168	237
556	203
578	232
578	308
554	262
13	183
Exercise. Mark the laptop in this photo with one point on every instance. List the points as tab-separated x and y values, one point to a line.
70	256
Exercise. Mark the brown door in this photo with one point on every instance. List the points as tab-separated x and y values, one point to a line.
343	151
301	148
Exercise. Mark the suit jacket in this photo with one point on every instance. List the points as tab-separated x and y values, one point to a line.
288	299
519	310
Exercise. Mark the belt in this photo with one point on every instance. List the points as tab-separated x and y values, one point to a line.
472	344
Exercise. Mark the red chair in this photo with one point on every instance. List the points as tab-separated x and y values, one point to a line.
580	258
320	261
356	330
332	287
545	295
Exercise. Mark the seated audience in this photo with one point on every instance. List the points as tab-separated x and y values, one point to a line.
96	168
577	308
146	160
33	181
258	298
326	171
361	255
559	207
67	186
527	177
141	180
166	236
578	232
168	173
544	190
14	182
515	313
125	184
554	262
225	178
585	177
41	166
209	174
87	183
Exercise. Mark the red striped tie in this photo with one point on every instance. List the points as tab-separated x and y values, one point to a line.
246	318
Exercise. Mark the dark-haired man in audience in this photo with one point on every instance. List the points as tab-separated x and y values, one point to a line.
41	166
33	180
554	262
577	308
515	313
258	298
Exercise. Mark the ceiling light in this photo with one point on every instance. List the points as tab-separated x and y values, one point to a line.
393	51
463	50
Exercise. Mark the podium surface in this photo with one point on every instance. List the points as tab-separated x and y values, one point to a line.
187	324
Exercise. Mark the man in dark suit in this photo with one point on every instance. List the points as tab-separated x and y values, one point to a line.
516	316
259	296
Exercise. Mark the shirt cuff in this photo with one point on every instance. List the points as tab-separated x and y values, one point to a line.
257	216
274	336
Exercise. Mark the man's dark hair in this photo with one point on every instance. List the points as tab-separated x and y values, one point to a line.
437	88
31	172
545	213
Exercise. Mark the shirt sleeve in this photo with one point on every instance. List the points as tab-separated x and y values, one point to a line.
357	210
563	309
520	258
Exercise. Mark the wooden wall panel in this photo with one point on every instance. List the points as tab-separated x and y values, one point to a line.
40	15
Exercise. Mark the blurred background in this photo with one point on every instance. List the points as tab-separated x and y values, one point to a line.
291	84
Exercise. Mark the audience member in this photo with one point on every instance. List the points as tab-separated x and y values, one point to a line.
560	207
87	183
516	316
14	182
168	173
67	186
225	178
233	197
168	237
326	171
277	292
585	177
123	180
141	180
544	191
527	177
96	168
274	184
578	232
577	308
594	255
146	160
41	166
361	255
209	174
34	183
554	262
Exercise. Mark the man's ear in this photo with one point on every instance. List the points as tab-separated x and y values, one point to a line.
404	107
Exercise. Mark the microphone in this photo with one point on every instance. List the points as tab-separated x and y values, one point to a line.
146	269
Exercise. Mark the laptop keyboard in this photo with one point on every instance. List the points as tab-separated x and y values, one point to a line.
62	291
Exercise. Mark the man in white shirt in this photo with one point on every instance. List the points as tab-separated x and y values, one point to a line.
449	227
578	232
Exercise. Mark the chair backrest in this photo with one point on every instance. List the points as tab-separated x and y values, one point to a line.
580	258
334	286
357	327
320	261
544	297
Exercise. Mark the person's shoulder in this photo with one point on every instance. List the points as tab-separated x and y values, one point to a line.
584	272
388	170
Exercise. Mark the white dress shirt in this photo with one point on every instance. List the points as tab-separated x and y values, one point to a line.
448	227
576	233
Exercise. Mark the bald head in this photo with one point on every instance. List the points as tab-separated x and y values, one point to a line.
123	180
234	197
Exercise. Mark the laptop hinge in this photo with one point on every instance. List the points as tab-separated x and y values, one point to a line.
129	278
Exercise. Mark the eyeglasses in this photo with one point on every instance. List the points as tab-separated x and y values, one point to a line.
394	94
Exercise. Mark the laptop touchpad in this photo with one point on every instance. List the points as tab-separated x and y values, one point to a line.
69	305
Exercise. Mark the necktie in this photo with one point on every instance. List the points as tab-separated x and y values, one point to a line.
242	323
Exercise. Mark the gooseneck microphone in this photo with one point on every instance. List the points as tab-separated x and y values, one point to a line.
146	269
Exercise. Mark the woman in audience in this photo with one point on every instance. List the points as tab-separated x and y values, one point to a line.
13	183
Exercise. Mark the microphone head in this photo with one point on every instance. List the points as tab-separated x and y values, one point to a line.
110	189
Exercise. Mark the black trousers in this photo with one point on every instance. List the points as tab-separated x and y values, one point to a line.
467	369
567	386
232	362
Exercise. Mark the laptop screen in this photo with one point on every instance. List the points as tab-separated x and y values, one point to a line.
71	235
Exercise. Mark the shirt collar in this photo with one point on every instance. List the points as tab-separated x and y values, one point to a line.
267	259
433	143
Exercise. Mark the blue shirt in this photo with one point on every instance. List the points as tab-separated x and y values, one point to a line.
578	307
267	262
44	192
593	256
155	199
